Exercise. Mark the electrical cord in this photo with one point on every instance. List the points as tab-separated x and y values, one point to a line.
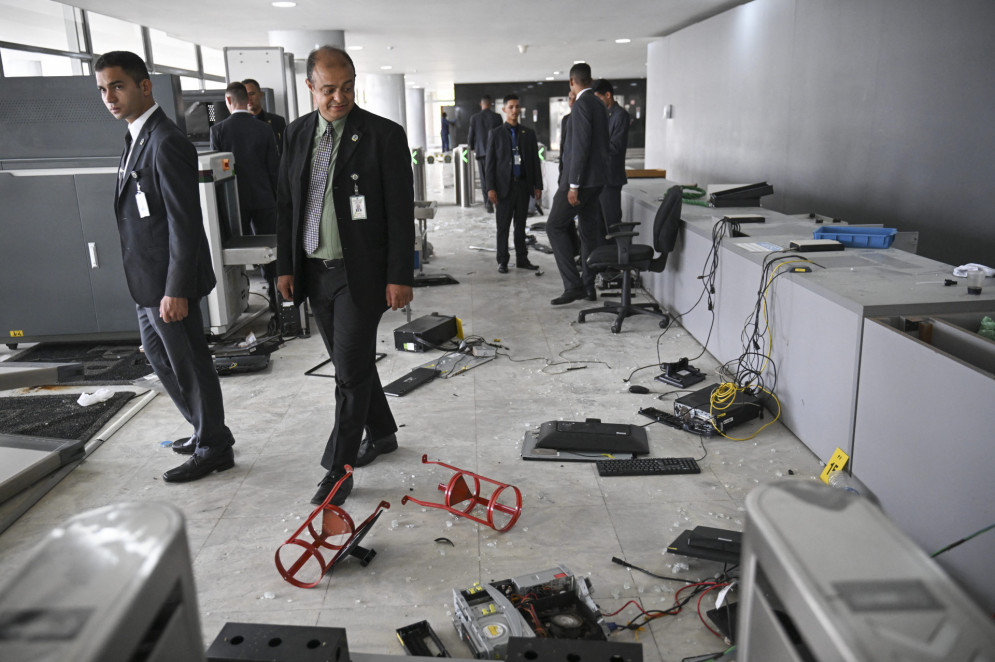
962	541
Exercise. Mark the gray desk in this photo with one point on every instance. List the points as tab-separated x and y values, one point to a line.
816	318
915	418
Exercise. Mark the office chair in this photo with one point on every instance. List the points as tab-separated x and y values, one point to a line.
628	257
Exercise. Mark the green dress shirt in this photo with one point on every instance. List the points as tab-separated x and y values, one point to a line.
329	243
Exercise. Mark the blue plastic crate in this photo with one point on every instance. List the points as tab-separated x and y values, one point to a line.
858	237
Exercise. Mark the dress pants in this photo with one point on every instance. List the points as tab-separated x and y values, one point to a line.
350	335
483	178
611	207
181	359
589	227
514	207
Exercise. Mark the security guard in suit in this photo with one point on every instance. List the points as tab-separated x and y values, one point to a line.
166	260
514	175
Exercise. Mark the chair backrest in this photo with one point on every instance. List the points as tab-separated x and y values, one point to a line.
665	227
667	221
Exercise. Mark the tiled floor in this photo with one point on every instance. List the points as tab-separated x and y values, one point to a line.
476	421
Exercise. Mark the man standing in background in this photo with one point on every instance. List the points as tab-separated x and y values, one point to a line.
585	166
256	103
618	140
480	126
256	165
514	173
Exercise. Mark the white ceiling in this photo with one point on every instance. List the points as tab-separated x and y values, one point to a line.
437	42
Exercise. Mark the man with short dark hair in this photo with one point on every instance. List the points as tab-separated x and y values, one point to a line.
618	140
480	126
514	174
257	163
584	158
345	231
167	260
256	102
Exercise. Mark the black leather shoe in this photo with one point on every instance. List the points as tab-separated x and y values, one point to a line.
326	485
591	295
199	466
526	265
502	268
567	297
185	446
370	450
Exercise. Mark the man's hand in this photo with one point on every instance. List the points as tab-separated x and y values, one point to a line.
492	196
173	309
285	285
573	198
398	296
538	195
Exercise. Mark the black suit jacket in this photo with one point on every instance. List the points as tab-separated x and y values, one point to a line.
481	125
500	159
257	162
165	253
585	148
277	124
618	140
378	250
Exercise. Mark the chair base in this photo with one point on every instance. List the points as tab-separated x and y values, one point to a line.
623	310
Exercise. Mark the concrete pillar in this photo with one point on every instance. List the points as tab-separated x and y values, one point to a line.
300	43
383	94
415	101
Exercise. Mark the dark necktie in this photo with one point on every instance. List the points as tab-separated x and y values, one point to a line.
124	157
316	190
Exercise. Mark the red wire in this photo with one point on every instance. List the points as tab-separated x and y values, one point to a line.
700	617
630	602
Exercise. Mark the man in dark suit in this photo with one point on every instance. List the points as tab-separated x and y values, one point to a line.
256	166
345	237
574	237
514	173
166	259
256	102
618	141
480	126
584	158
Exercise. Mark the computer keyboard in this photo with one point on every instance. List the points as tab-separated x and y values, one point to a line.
651	466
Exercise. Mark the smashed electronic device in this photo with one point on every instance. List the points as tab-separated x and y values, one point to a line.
697	407
427	332
551	603
709	543
584	441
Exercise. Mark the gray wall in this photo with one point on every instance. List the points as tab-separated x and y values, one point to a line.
874	111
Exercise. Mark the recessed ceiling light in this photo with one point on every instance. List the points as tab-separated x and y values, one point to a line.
622	41
354	48
284	5
556	73
386	67
550	78
579	62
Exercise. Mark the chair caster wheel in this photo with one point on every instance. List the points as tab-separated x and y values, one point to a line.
580	319
616	328
664	324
